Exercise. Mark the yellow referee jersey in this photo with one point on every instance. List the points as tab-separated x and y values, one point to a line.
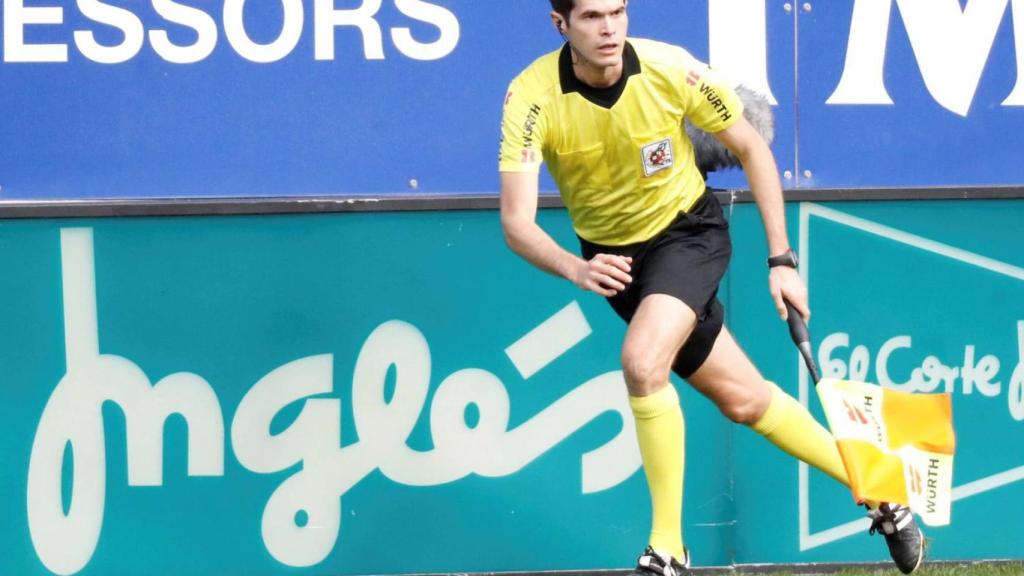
620	156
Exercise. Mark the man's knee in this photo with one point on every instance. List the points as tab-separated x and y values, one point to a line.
745	405
644	373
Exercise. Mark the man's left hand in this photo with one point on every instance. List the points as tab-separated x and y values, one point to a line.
786	282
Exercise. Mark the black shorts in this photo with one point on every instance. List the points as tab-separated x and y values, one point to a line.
686	260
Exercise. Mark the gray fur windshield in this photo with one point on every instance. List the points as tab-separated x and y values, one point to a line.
710	154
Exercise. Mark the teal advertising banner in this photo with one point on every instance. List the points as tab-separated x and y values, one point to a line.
399	393
344	394
917	296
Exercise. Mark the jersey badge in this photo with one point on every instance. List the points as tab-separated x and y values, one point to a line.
657	156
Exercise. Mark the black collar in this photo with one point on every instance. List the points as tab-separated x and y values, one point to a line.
604	97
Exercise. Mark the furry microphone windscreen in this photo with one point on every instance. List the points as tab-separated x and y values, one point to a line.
710	154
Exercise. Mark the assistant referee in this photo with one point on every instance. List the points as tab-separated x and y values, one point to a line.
605	113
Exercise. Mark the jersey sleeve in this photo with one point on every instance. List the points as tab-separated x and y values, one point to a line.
709	98
522	131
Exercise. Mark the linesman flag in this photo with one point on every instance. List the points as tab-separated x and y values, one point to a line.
896	446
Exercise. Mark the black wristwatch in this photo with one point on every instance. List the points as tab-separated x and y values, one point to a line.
787	258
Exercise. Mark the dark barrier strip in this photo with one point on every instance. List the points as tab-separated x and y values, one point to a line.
11	209
808	569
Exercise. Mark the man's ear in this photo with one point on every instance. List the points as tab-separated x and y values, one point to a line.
558	21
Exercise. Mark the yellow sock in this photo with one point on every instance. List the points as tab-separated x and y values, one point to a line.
788	425
660	432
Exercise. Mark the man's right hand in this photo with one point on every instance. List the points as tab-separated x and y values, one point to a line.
604	274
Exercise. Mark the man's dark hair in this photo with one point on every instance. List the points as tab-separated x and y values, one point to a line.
563	7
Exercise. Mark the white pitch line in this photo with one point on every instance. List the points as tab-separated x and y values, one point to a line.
552	338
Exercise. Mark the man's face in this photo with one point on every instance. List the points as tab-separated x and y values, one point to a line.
597	29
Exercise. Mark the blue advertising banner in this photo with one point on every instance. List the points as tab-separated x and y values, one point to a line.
183	98
306	394
285	98
903	93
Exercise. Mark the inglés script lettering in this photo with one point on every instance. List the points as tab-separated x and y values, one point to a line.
72	419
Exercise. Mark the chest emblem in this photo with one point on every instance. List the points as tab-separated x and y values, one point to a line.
657	156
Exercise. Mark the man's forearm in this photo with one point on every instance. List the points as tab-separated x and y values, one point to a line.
762	175
784	283
533	244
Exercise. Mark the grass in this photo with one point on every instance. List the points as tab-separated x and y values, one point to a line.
940	570
963	570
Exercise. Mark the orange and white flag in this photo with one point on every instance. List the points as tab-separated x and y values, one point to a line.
896	446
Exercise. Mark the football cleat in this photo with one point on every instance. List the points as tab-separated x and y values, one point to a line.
652	563
904	538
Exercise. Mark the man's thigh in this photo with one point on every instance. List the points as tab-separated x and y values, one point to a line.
660	326
729	378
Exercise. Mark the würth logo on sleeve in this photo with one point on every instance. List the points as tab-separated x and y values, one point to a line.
715	100
657	156
692	78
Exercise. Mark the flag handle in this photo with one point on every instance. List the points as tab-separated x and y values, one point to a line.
802	338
